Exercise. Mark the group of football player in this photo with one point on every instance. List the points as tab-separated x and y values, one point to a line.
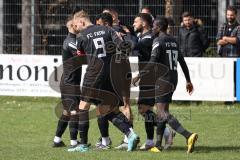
105	46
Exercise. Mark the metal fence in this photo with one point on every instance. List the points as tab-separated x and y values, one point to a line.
48	18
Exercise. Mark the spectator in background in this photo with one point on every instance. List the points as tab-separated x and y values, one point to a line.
193	40
148	11
228	35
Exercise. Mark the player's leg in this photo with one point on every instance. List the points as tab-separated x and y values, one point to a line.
83	127
168	135
74	119
121	78
61	127
190	137
127	111
104	142
149	120
161	123
165	116
73	127
122	123
84	121
145	106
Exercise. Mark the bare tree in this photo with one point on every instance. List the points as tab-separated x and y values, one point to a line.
50	21
168	8
26	27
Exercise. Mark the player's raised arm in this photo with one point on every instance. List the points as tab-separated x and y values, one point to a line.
115	37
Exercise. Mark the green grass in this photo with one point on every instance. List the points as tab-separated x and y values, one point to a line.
28	126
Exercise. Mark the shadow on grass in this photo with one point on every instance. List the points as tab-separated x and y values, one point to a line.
208	149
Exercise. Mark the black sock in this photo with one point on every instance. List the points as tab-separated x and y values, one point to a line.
62	125
131	124
73	126
173	122
161	125
103	126
83	125
120	121
149	123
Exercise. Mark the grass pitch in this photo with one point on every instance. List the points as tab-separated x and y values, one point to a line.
28	126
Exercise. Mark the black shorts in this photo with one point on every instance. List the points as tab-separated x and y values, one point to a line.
150	101
120	72
100	91
70	95
70	103
165	98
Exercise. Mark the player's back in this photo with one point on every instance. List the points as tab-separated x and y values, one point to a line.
166	48
94	38
93	42
168	51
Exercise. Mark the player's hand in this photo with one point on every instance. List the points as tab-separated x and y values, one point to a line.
119	35
189	88
135	80
125	29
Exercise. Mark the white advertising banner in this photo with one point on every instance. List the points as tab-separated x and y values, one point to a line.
28	75
213	80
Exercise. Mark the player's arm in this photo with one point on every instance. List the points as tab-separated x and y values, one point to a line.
72	47
80	45
129	37
115	37
185	70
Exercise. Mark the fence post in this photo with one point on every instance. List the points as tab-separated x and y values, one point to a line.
32	25
26	27
140	5
231	2
222	5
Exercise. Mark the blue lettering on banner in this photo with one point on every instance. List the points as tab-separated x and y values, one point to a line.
238	79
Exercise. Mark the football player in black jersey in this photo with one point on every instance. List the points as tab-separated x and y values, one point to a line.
120	76
121	84
168	132
70	98
142	25
97	86
165	51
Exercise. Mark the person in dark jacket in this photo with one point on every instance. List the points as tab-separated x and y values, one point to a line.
193	40
228	35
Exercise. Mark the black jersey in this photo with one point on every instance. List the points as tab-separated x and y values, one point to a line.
144	47
71	72
165	50
93	41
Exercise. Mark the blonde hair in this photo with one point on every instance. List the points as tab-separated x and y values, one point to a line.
81	14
